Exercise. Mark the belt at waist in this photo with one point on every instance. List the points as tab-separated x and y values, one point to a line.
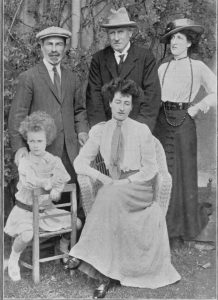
175	105
27	207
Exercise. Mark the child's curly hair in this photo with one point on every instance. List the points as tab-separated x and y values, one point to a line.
39	121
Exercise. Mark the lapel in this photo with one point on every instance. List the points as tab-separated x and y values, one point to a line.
111	63
45	76
129	63
64	82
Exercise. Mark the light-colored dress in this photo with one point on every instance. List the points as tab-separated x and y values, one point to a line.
125	235
185	217
33	173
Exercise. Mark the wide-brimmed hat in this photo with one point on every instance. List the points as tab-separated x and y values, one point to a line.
178	25
118	18
53	31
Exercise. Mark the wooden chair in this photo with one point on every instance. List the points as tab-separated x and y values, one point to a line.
162	186
39	235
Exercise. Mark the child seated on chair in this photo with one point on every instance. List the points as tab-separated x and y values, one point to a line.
39	169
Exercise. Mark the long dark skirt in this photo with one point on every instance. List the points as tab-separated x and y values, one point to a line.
186	217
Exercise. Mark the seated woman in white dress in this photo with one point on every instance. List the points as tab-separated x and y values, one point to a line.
125	236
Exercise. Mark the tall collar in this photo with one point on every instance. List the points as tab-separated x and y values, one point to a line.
180	58
114	121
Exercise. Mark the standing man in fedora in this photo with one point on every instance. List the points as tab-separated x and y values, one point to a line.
128	61
54	89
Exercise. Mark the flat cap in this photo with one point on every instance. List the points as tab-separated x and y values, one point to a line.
53	31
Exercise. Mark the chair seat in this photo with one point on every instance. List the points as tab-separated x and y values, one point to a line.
41	235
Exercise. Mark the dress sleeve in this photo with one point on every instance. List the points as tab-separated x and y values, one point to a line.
208	80
88	153
27	176
148	157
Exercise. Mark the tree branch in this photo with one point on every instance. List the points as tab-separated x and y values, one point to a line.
14	18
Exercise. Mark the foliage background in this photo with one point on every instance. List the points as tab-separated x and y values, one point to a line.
21	50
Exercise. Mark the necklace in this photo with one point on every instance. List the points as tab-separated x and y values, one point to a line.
186	111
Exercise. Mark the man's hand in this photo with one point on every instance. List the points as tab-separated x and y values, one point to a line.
83	137
22	152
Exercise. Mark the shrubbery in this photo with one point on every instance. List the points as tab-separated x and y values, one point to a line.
21	51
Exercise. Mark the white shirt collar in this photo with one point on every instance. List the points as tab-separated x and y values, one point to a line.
49	67
124	52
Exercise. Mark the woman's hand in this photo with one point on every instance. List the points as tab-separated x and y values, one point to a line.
105	179
193	111
199	107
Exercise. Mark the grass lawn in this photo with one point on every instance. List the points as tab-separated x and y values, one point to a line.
197	269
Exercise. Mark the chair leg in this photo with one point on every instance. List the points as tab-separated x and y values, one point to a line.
57	251
36	249
35	260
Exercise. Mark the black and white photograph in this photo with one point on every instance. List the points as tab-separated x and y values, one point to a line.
108	149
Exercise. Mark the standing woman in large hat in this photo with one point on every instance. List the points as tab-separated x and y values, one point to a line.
181	79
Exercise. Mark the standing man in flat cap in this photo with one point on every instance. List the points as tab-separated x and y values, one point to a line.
128	61
54	89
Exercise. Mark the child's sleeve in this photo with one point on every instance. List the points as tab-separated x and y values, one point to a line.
60	176
28	177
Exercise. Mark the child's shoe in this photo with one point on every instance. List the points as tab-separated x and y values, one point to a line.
13	270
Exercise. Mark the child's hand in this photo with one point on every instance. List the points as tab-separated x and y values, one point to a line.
54	195
47	184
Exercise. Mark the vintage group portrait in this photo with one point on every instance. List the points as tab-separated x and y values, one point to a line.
108	153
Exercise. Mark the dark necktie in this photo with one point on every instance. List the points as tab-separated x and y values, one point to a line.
119	67
57	82
117	148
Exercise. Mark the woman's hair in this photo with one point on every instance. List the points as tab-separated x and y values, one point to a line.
39	121
193	38
125	87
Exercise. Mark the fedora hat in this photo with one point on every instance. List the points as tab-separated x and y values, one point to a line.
178	25
53	31
118	18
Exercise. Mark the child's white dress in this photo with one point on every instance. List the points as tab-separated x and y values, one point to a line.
34	172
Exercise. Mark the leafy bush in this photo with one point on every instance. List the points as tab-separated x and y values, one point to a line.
21	50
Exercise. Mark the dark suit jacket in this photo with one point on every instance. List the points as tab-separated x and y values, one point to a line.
35	91
140	66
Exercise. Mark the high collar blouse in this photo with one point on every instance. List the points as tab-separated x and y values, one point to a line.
139	149
176	84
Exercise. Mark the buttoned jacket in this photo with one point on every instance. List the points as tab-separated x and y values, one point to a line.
35	91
